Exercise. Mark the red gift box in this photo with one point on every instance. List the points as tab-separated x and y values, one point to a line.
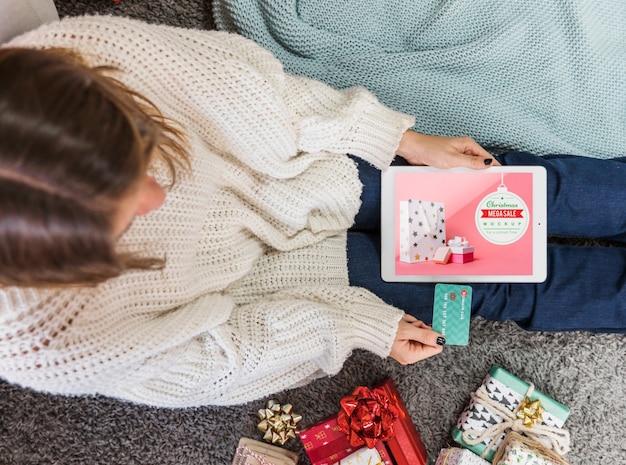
461	251
405	446
326	443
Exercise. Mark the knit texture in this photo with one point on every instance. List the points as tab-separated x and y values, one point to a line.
254	297
546	76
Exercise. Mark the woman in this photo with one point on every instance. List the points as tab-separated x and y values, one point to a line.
190	249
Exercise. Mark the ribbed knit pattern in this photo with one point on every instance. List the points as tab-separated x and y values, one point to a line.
254	297
547	76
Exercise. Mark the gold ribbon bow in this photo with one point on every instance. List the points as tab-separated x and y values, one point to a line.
530	412
278	422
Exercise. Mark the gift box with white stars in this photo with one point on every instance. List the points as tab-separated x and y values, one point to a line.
422	230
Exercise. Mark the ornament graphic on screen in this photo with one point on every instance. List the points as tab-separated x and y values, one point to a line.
502	217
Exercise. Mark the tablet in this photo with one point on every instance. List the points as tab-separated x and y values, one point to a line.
462	225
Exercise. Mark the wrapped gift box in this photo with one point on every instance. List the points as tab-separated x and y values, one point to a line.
461	254
405	446
505	392
363	456
422	230
442	255
251	452
460	250
458	456
325	443
519	450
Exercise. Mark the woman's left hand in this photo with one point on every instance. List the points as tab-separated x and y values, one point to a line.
444	152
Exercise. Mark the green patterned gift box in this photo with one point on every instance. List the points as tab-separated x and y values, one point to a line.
505	403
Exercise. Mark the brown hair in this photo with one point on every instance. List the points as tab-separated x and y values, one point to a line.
73	142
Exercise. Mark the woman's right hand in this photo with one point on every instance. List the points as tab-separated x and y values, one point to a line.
415	341
444	152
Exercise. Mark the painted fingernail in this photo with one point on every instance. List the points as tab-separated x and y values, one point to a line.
488	161
441	341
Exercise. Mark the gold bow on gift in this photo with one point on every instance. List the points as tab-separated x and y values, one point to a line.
530	412
278	422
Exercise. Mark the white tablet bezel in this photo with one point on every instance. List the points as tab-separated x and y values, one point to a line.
538	224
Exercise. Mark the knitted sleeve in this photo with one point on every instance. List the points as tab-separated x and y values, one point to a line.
344	121
327	119
265	347
206	352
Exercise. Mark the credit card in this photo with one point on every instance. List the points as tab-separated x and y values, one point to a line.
452	310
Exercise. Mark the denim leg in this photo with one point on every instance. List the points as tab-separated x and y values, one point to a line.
586	196
585	289
368	217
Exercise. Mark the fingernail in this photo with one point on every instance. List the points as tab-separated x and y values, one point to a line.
488	161
441	340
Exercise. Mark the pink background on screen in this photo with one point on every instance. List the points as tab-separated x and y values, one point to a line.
461	192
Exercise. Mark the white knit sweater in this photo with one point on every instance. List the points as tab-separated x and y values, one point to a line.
254	297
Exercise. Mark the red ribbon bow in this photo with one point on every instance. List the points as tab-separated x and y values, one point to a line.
367	416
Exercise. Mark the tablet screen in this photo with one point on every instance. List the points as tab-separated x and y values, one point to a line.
463	225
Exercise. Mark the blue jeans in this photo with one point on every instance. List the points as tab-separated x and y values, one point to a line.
586	285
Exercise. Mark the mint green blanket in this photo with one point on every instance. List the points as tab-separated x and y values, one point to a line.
548	76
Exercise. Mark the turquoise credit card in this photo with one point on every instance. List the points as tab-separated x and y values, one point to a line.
452	310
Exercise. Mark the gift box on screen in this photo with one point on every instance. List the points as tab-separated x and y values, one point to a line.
461	251
374	418
459	456
504	403
422	230
520	450
251	452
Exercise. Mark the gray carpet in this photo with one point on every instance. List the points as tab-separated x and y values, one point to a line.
584	371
